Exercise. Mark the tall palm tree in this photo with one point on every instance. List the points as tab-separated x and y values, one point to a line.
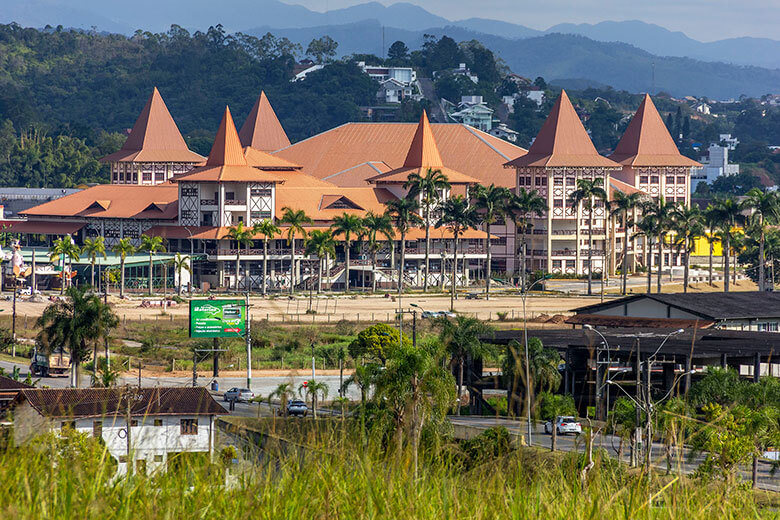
269	230
710	219
727	212
66	249
364	377
74	323
376	224
321	244
312	389
284	392
622	206
428	188
648	229
294	220
766	211
520	207
462	339
242	236
351	226
587	192
180	263
122	248
151	245
457	216
661	211
404	214
490	204
94	247
687	225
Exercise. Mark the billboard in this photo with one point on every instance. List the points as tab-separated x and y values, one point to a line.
217	318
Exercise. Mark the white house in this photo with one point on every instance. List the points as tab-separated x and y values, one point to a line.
393	91
302	74
162	421
504	132
474	112
716	163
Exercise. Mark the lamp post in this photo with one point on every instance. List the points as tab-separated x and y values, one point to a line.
599	385
523	296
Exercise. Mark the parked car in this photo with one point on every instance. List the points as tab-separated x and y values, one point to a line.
438	314
239	394
563	424
27	291
297	407
473	296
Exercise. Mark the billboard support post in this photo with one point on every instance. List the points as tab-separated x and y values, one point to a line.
248	347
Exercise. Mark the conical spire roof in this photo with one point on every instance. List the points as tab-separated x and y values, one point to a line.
154	137
647	142
563	141
423	152
262	129
227	149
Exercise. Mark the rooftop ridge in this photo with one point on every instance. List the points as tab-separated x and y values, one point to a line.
262	129
155	128
227	149
423	151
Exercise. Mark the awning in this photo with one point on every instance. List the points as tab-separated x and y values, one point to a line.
40	227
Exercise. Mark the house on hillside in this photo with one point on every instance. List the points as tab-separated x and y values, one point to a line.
395	83
163	422
504	132
473	111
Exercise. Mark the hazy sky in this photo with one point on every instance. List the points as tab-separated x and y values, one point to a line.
704	20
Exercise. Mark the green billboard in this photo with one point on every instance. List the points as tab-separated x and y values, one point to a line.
217	318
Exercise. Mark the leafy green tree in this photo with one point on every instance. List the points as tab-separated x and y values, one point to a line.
295	220
727	213
661	212
719	385
623	206
320	244
587	192
322	50
623	421
672	418
489	203
542	367
151	245
398	52
458	216
554	405
364	377
687	227
521	207
376	225
351	226
122	248
313	389
180	263
376	342
284	391
268	230
94	247
766	212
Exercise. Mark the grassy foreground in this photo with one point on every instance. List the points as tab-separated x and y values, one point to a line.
344	476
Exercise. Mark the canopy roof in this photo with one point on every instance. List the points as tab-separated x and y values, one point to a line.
262	129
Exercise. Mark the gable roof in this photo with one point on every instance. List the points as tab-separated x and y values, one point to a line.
358	175
360	146
623	187
154	137
98	402
114	201
266	161
563	141
317	201
262	129
647	142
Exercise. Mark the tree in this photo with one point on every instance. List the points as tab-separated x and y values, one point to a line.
461	338
648	229
94	247
766	211
404	214
364	377
457	216
398	51
687	226
552	406
429	188
295	220
727	214
710	221
180	263
320	244
661	212
623	421
588	190
322	50
74	323
542	367
671	423
351	226
623	206
269	230
151	245
313	388
66	249
520	207
489	202
242	236
122	248
376	224
375	343
284	392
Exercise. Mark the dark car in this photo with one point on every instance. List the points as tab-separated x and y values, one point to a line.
298	408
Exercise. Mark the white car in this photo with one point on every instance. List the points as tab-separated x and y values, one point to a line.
563	424
239	394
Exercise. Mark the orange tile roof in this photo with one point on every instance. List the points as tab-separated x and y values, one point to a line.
423	152
226	160
357	176
262	129
333	154
266	161
646	141
158	202
295	179
401	175
563	141
154	137
317	201
623	187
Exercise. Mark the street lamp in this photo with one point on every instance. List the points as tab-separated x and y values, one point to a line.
523	295
600	386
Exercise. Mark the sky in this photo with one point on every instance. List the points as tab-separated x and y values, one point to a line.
704	20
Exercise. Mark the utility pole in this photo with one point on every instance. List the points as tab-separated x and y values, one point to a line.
105	301
638	430
215	366
414	328
128	422
649	447
248	336
194	368
139	373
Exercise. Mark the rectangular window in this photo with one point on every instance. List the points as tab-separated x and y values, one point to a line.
670	179
558	181
147	177
97	428
643	179
230	195
189	426
158	422
556	264
68	424
558	203
654	179
158	458
541	181
521	181
259	192
570	264
680	180
571	181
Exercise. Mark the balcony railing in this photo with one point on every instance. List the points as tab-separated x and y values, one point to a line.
235	202
208	202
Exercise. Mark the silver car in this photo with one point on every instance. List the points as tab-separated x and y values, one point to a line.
239	394
297	407
563	424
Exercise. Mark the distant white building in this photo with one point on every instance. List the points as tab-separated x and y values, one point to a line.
163	421
716	164
302	74
536	96
728	141
462	70
504	132
395	83
702	108
473	111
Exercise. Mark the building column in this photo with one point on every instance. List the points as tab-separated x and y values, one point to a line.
724	361
549	221
756	367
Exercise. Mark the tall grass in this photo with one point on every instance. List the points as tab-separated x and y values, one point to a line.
312	471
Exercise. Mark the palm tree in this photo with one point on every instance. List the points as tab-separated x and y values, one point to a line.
404	214
151	245
312	388
648	229
364	377
661	211
376	224
766	211
269	230
284	391
74	323
457	216
69	251
351	226
710	217
122	248
94	247
687	225
461	338
180	264
428	188
542	368
489	202
588	190
622	207
321	244
242	236
520	207
295	220
728	214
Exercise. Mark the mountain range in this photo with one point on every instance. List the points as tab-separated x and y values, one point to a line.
621	54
